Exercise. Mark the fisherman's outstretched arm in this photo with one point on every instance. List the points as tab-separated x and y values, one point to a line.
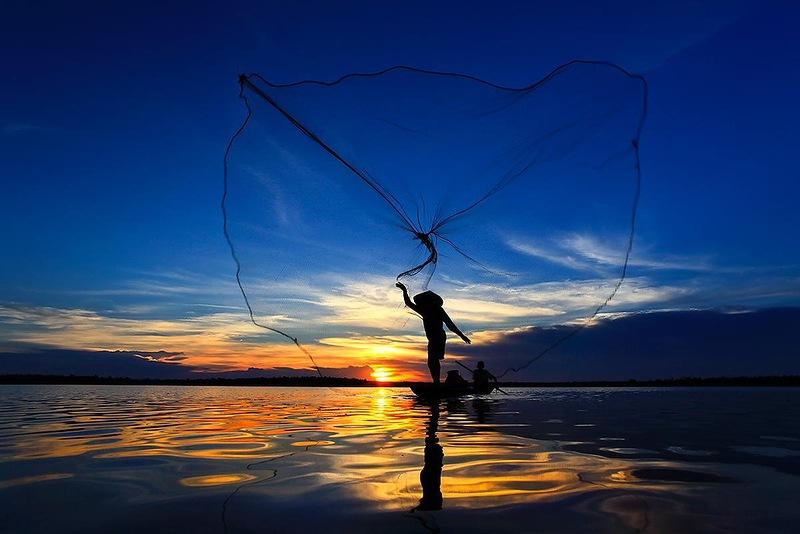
408	301
453	328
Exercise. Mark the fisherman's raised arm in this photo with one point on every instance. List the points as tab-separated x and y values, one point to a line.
408	301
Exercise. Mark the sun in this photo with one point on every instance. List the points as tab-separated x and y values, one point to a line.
381	374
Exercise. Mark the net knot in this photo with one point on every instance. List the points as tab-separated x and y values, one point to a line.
425	238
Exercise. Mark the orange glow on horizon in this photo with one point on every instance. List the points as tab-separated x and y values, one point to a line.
383	375
223	342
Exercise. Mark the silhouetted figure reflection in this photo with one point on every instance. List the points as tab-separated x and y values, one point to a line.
431	475
483	410
429	306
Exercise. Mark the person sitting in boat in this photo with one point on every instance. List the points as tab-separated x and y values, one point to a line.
481	377
429	305
454	379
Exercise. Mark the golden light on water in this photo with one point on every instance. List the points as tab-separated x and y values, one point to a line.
32	479
367	445
374	449
216	480
371	441
309	443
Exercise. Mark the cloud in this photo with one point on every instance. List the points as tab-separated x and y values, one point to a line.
161	356
650	345
285	214
370	302
660	344
218	340
558	301
130	364
528	248
593	250
168	286
588	253
137	364
344	320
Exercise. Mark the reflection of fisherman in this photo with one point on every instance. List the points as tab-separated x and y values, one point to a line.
431	475
481	377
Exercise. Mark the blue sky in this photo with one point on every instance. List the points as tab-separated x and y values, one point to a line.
115	119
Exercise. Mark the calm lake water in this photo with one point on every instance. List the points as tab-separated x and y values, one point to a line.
223	459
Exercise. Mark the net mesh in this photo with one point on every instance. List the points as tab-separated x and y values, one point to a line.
517	205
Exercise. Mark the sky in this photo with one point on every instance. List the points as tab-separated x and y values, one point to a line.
115	119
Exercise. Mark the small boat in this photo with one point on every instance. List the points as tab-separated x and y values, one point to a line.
441	391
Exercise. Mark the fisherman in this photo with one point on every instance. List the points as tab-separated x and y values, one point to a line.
429	305
481	377
454	379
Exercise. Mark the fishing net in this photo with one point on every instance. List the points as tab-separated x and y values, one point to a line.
517	205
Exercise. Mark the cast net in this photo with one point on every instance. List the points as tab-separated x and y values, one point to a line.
517	205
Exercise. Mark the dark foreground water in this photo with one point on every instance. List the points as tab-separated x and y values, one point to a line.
196	459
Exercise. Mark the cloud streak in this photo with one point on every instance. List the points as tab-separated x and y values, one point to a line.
361	321
346	319
583	252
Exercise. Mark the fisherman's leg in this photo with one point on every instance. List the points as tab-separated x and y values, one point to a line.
436	353
435	368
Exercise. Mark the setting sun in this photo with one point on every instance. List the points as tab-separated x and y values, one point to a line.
381	374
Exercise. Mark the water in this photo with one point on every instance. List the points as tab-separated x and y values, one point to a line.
222	459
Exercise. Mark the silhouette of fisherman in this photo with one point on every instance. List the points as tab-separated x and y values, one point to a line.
429	305
455	379
481	377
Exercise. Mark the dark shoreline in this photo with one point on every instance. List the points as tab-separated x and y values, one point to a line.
315	381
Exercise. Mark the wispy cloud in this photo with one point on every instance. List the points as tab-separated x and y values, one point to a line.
565	300
352	318
280	201
215	342
355	319
528	248
592	249
217	336
584	252
370	304
170	284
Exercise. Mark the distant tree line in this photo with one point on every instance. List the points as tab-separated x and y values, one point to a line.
297	381
316	381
